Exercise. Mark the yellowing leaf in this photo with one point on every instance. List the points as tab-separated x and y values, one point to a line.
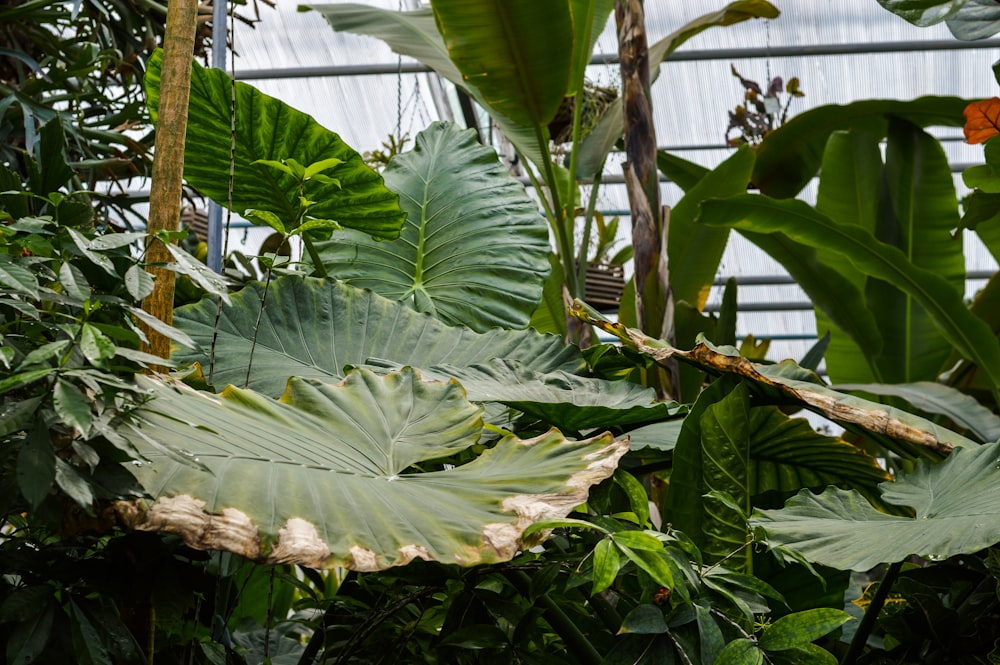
982	120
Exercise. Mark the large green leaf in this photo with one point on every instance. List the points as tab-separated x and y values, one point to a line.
564	400
415	34
789	383
269	129
800	222
595	147
725	442
918	213
517	53
695	250
849	187
789	157
967	19
787	454
474	249
955	508
318	478
314	328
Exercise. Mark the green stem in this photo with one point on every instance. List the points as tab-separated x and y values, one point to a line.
562	229
319	268
576	642
588	223
871	614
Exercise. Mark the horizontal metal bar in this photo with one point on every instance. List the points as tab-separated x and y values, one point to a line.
803	306
612	58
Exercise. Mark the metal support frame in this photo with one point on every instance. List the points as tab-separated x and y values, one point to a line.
214	239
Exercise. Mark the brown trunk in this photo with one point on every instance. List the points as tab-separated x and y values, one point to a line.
168	163
653	299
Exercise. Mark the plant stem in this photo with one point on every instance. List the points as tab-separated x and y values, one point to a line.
320	269
871	614
576	642
588	223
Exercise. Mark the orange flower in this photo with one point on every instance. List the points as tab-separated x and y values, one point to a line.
982	120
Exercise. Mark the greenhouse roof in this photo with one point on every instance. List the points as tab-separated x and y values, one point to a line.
840	51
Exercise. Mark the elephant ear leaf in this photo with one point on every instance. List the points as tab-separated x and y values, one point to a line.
270	131
954	508
474	250
322	477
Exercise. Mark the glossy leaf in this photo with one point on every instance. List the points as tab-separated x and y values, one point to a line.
517	53
645	619
967	333
740	651
269	129
789	157
606	565
954	504
315	328
327	487
72	406
801	628
474	250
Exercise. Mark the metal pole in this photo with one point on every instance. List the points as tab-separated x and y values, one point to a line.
219	61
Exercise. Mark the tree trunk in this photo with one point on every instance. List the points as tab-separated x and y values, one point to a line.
168	162
653	298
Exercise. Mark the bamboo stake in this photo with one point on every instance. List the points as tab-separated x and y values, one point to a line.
168	162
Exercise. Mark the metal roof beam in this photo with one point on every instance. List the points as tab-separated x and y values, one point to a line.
394	69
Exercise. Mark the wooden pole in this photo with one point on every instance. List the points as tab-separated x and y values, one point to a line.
168	162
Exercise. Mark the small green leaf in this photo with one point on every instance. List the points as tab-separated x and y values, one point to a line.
19	278
313	224
199	273
800	628
86	638
75	485
83	244
138	282
116	240
559	523
267	217
72	405
636	493
170	332
22	379
74	282
41	355
36	466
740	652
29	638
651	562
645	619
638	540
275	164
95	345
710	635
607	563
322	165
